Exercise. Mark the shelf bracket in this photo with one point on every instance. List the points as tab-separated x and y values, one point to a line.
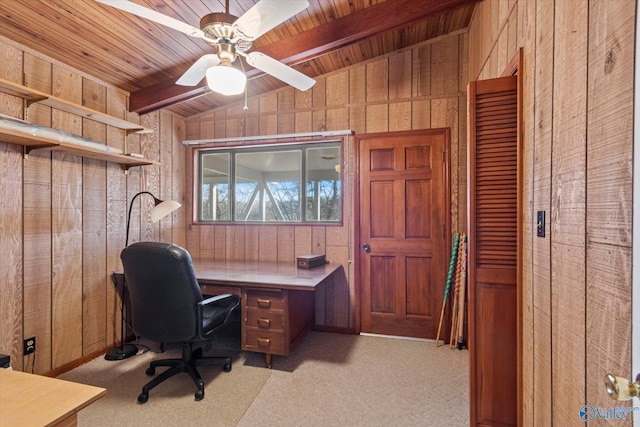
29	148
35	100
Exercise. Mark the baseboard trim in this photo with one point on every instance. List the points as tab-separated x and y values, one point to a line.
333	329
398	337
75	363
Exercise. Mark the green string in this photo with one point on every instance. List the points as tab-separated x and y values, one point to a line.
452	266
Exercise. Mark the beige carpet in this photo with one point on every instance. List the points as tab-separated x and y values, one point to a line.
227	394
329	380
348	380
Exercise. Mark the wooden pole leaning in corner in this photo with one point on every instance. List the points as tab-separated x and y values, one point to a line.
452	264
455	309
463	285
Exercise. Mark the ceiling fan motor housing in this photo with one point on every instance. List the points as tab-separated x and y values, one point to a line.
220	26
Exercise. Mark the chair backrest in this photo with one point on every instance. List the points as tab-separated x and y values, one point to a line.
163	290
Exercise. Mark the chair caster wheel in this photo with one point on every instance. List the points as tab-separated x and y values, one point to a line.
199	395
227	367
143	397
151	371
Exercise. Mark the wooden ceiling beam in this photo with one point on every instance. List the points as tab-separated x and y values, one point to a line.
353	28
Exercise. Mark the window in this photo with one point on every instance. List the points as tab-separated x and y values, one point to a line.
284	183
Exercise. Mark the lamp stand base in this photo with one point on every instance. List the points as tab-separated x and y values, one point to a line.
121	352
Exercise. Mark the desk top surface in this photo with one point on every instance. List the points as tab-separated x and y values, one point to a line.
262	274
28	399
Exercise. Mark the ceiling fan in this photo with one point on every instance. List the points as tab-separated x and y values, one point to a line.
231	36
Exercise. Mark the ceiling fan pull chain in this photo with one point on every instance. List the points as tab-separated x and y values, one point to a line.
246	107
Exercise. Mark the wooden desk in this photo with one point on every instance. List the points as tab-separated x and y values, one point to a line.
277	300
35	400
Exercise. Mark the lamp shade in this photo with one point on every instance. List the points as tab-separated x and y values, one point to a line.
226	79
160	210
163	209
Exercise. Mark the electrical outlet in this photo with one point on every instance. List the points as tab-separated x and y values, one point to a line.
30	345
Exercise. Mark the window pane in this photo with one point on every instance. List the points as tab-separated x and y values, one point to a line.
276	183
268	186
323	198
214	187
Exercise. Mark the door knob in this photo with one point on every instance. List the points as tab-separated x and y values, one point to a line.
621	388
366	247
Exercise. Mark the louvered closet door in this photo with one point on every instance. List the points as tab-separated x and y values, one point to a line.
493	250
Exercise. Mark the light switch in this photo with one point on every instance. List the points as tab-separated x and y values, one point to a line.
540	223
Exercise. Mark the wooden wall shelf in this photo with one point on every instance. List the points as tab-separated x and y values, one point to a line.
34	142
32	95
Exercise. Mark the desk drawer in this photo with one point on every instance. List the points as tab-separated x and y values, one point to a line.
265	342
265	300
264	320
218	289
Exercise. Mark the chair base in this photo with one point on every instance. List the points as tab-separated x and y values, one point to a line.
121	352
188	363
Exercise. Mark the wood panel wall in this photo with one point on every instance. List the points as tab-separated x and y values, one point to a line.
418	88
578	145
63	217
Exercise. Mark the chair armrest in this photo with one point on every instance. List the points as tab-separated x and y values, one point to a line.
214	299
226	302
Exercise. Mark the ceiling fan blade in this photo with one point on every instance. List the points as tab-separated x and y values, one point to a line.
266	14
157	17
280	71
198	70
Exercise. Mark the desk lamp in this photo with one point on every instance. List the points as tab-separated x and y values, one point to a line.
160	210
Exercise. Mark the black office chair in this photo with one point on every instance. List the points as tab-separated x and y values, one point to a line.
167	306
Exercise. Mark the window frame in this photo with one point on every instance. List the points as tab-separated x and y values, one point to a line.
232	150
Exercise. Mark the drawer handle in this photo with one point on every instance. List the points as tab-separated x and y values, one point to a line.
264	302
264	323
264	342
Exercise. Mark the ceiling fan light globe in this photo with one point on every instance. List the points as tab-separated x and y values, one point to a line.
226	80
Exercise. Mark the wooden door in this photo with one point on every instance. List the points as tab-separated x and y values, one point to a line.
493	251
403	230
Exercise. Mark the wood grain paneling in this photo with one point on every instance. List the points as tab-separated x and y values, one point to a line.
268	243
568	215
94	222
541	201
150	176
66	206
63	219
37	224
165	147
609	179
116	201
400	84
11	212
578	79
286	243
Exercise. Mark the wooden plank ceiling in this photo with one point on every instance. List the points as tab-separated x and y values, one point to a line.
145	58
